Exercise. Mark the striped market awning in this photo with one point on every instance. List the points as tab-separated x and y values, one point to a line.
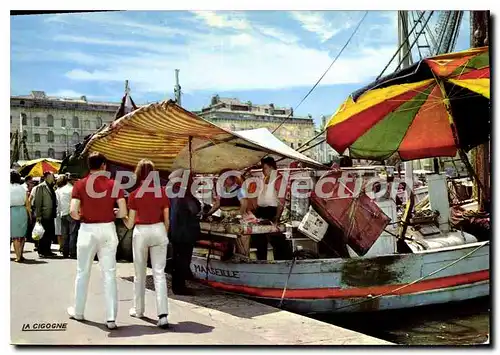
161	131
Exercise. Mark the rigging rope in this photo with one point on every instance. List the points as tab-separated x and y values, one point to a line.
322	76
400	46
413	44
416	35
300	150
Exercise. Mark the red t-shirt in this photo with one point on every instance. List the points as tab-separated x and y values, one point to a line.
97	209
148	208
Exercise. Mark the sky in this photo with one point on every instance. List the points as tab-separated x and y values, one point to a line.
258	56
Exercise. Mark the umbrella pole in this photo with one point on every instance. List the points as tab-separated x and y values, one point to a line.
190	154
436	165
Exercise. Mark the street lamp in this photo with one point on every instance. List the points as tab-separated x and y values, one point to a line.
66	136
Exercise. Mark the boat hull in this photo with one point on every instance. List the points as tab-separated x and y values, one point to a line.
357	284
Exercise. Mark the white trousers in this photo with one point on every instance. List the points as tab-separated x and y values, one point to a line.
152	238
100	238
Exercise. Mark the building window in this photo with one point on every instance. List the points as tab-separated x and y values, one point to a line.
10	119
62	138
63	122
291	145
50	136
38	154
76	137
86	124
36	121
51	153
76	122
98	123
21	102
50	121
37	138
24	119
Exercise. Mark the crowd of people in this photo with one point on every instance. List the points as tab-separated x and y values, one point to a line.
46	203
80	216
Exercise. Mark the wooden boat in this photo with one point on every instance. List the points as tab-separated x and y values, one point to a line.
451	266
358	284
386	280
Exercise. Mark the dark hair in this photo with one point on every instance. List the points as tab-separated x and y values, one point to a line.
28	178
269	161
143	168
15	177
96	160
47	173
61	181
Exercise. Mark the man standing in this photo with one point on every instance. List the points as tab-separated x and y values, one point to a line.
184	231
45	212
93	202
68	224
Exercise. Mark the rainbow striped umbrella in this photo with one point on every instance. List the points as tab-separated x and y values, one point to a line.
37	167
428	110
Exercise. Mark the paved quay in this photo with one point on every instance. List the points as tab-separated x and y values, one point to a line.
41	290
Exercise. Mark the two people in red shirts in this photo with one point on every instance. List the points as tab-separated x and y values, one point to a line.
93	203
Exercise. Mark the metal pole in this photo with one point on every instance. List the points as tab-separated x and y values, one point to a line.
190	154
325	148
177	89
21	153
405	61
66	134
481	154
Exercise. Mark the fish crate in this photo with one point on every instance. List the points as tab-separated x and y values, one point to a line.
313	225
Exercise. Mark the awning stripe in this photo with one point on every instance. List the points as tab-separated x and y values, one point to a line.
161	131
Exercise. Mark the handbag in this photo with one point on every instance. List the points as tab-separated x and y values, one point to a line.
38	231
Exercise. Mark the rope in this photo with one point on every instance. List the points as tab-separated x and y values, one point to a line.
286	283
413	44
400	46
322	76
415	22
416	281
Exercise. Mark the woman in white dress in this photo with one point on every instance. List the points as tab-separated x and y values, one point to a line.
19	212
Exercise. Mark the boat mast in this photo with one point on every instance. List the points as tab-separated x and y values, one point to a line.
481	154
405	63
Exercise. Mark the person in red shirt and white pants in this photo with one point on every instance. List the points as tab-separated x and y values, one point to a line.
149	211
93	202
